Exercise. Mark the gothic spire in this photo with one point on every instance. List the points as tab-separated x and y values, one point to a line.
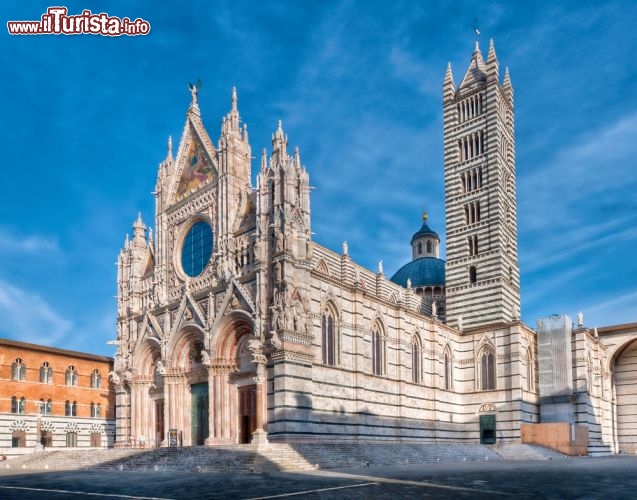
232	118
264	160
138	222
491	55
507	78
279	140
493	64
297	157
477	71
448	87
139	231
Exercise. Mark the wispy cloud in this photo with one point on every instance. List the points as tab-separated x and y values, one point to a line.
28	317
617	310
12	242
582	197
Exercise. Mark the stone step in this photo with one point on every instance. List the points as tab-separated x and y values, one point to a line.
526	452
270	457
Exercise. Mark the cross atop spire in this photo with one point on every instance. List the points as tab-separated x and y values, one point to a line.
476	30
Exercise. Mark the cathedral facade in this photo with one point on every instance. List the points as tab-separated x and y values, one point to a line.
235	327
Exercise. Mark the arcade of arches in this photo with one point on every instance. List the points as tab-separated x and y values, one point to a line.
625	386
206	399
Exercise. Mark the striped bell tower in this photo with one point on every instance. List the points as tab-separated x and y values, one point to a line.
482	271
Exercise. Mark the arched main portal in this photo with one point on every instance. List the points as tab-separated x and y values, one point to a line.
147	393
187	388
625	385
236	393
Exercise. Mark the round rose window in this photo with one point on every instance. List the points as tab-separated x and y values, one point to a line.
196	249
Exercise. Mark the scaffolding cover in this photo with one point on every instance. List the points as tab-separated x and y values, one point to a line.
554	355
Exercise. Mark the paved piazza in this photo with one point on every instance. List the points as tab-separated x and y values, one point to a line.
609	477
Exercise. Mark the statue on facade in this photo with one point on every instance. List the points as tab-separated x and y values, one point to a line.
434	309
580	319
279	241
308	249
205	358
194	90
160	368
345	248
114	377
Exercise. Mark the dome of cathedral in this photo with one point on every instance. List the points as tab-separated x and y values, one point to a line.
425	230
425	271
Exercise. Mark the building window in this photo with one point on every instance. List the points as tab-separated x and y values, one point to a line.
473	245
71	439
18	370
45	406
70	409
448	374
71	376
18	405
419	248
196	249
96	379
530	374
18	439
96	410
328	338
487	371
378	351
472	212
473	275
416	365
46	373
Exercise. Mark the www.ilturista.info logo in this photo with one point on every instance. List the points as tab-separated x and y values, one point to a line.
56	21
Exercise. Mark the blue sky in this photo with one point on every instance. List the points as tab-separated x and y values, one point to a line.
85	120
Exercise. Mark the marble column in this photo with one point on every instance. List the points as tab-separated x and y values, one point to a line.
259	436
211	406
122	428
134	411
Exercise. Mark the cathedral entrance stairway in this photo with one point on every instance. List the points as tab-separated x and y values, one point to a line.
525	452
273	457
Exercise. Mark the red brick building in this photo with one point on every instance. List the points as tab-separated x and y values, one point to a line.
54	398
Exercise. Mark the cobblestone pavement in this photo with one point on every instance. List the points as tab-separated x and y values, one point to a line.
607	478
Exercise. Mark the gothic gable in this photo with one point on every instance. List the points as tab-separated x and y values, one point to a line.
189	313
236	298
196	161
246	216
